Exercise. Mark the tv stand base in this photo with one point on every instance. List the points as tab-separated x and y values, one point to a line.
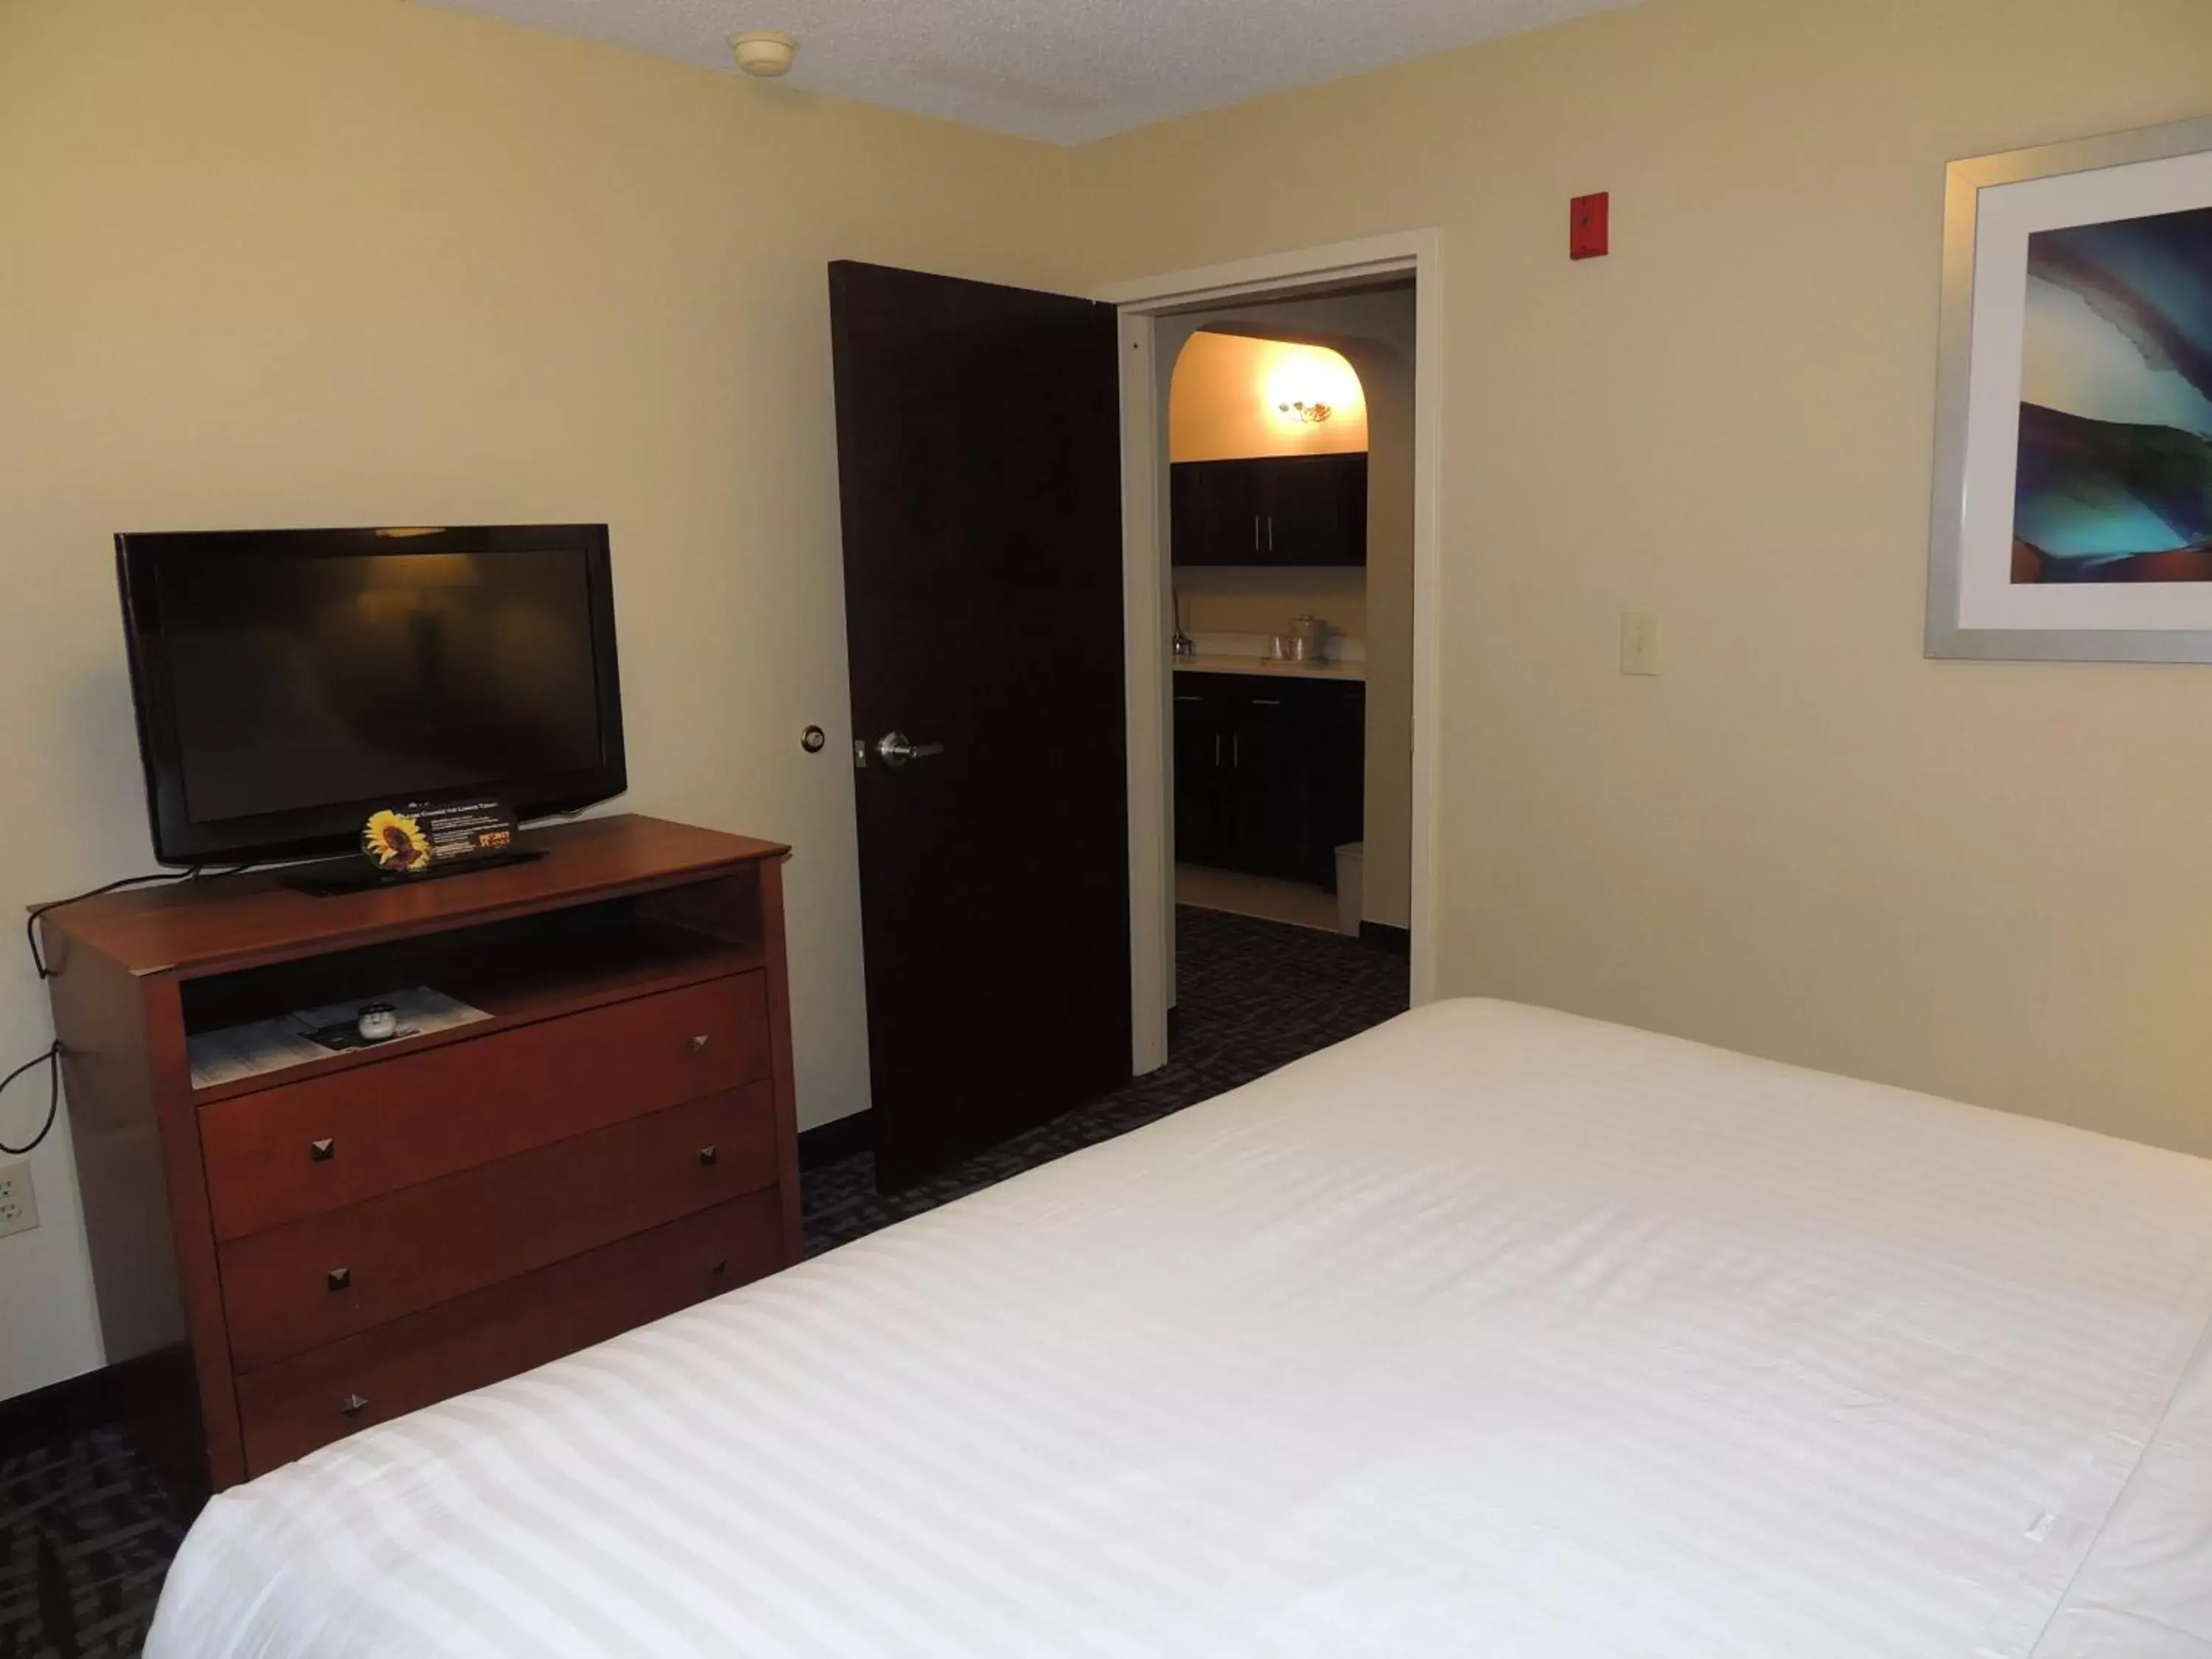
352	875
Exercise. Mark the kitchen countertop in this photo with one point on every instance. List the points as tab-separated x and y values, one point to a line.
1302	670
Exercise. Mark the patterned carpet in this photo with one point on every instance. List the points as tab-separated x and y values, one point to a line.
1251	995
86	1534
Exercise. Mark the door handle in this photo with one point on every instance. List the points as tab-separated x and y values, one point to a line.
1236	749
896	748
1217	748
1255	532
1271	533
1267	702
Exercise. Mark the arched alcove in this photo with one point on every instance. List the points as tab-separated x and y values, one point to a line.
1236	395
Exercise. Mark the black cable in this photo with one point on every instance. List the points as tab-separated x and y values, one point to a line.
51	1059
194	873
31	921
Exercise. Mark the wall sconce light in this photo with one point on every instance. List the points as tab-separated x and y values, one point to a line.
1307	385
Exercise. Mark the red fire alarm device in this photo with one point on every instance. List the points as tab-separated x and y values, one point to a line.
1587	226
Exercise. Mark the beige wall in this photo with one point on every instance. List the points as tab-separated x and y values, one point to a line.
1802	839
299	261
1262	599
1224	401
277	262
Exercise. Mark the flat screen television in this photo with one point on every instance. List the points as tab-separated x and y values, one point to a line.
290	681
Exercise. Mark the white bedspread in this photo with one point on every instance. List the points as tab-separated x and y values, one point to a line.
1493	1332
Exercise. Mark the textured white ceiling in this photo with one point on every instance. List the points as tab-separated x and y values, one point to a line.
1065	70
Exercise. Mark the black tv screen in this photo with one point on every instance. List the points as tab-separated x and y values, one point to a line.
289	683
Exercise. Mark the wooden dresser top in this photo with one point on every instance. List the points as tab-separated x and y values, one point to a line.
236	922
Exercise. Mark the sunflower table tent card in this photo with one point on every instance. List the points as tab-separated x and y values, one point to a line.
409	840
2072	509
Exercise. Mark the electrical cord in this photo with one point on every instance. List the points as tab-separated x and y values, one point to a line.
52	1059
31	921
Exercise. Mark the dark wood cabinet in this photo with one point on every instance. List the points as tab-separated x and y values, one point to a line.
1274	509
346	1239
1316	509
1269	773
1202	820
1215	515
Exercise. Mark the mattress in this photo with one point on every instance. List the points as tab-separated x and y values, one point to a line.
1493	1332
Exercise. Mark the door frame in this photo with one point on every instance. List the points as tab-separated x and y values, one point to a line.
1146	574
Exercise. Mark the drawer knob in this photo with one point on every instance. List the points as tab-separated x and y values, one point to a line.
708	1156
719	1266
353	1405
699	1043
340	1278
321	1151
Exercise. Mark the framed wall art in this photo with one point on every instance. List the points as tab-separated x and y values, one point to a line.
2072	501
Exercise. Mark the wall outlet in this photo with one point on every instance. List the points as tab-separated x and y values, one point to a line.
19	1205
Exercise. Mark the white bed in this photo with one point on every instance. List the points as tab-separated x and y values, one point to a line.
1493	1332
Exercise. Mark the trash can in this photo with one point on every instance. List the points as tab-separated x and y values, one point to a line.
1349	858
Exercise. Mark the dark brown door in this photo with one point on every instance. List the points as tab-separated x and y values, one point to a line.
979	469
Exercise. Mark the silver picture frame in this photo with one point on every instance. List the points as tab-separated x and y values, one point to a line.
1964	183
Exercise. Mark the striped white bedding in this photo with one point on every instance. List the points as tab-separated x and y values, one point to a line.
1493	1332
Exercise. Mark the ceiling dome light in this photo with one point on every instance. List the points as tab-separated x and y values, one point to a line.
764	52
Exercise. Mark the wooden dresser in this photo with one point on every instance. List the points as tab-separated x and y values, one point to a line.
340	1242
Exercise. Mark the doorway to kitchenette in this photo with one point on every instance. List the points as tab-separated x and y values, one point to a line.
1289	429
1270	475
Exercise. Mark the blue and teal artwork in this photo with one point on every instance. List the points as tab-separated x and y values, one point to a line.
2115	476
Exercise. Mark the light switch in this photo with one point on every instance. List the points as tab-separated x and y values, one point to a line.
1639	642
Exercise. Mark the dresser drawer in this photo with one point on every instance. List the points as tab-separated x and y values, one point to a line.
289	1408
294	1287
300	1149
